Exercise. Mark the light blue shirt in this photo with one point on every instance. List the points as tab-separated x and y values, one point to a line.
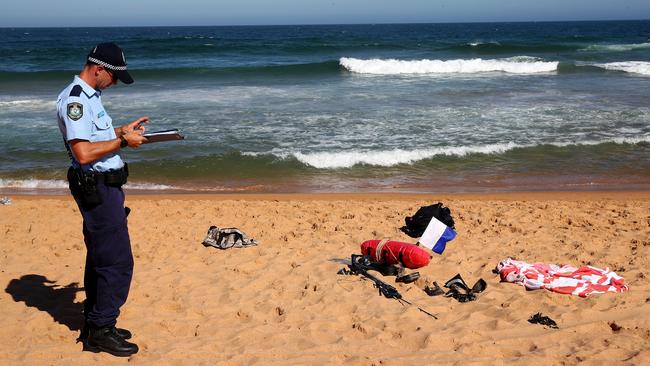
82	116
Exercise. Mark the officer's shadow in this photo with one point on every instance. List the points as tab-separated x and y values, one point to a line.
45	295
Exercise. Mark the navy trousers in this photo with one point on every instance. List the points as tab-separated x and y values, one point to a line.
109	260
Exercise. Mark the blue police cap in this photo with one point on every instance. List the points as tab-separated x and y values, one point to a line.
110	56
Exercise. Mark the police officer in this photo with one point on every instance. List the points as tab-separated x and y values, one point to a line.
96	178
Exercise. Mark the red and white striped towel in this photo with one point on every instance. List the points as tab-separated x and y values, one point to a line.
566	279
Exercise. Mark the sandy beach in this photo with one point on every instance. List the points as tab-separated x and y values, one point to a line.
282	302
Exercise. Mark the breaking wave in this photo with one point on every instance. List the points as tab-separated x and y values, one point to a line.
636	67
514	65
386	158
616	47
348	159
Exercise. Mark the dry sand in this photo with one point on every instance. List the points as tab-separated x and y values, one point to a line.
282	303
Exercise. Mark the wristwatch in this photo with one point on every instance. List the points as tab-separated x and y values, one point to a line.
123	142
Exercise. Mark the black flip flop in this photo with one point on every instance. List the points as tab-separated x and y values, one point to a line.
435	290
408	278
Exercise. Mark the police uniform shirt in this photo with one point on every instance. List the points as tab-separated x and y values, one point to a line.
82	116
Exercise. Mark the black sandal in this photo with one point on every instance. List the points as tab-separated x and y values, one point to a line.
459	290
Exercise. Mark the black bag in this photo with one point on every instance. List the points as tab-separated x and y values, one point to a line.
416	224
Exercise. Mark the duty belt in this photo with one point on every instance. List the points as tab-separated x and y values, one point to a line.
113	177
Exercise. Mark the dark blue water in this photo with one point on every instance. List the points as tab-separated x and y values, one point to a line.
433	107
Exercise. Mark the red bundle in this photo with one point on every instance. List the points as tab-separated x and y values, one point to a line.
394	252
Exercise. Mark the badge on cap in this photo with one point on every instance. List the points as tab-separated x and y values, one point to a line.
75	110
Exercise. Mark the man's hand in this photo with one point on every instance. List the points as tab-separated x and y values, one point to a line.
137	125
134	138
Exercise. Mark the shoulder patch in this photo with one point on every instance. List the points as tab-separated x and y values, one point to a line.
75	110
76	91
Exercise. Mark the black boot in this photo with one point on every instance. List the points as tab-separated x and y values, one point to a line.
124	333
108	340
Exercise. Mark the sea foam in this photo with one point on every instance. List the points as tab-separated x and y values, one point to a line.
479	43
636	67
33	183
514	65
27	104
392	157
61	184
347	159
616	47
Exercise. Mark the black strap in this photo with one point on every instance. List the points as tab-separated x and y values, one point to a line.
459	290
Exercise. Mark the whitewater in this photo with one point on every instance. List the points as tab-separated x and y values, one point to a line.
514	65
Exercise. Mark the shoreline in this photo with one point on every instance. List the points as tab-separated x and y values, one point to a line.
375	196
336	183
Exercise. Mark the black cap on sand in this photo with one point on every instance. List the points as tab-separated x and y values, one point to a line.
111	57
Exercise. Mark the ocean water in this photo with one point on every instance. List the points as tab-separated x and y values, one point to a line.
408	107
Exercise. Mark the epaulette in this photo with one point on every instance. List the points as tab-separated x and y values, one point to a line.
76	91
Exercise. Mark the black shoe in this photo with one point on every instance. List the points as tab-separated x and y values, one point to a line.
107	339
124	333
